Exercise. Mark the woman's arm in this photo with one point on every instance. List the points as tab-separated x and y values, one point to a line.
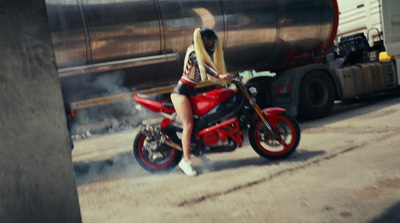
210	70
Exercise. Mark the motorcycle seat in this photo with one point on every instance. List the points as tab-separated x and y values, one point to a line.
159	98
168	104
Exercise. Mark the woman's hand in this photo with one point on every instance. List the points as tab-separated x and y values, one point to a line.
226	77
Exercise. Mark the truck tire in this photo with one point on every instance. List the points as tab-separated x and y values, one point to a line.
317	95
262	84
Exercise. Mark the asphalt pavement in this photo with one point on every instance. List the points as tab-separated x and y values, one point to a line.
346	169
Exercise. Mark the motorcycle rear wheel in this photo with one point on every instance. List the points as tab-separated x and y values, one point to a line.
269	148
166	157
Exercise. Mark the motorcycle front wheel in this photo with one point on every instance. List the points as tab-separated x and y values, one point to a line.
153	157
268	147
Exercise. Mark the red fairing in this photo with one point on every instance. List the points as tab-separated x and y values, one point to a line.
154	106
203	103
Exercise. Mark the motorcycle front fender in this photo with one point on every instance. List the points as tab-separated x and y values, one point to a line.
272	115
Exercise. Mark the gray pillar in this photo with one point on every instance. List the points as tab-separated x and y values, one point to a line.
37	182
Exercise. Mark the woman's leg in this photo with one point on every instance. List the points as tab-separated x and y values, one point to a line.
184	110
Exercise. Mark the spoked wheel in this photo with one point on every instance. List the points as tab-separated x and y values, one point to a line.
268	147
153	157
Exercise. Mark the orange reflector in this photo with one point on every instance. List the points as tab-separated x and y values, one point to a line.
383	56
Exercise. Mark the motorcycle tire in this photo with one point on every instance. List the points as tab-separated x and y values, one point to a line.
269	148
167	157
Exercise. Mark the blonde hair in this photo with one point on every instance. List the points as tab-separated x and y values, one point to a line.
203	57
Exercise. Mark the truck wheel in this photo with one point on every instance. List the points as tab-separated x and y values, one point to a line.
317	95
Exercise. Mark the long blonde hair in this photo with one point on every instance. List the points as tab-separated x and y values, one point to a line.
203	57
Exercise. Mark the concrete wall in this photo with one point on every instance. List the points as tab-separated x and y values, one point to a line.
37	182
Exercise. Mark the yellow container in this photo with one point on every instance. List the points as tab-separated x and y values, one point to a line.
383	56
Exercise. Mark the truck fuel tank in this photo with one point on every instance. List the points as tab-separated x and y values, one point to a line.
148	38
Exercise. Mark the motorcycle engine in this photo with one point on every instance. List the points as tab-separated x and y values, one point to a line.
211	138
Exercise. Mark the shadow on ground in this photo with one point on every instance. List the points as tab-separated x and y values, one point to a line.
392	215
124	165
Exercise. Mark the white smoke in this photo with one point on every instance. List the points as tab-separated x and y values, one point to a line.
110	116
112	83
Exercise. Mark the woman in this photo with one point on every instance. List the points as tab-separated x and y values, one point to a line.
203	61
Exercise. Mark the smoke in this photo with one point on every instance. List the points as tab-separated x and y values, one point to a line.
113	108
111	83
119	165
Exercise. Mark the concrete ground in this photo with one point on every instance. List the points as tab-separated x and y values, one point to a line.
346	169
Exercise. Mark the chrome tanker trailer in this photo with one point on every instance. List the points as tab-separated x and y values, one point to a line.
139	45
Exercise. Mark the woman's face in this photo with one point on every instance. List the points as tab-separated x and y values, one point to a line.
209	43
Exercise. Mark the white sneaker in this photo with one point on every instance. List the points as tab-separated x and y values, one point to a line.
187	168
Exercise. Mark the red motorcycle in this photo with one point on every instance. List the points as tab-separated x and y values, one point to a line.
220	116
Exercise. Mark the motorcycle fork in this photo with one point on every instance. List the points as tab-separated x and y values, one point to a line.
264	118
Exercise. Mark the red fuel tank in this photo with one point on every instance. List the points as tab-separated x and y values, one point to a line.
203	103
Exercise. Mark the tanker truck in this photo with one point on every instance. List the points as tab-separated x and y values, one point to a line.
108	50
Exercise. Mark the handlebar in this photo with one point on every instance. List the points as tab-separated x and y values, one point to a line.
237	81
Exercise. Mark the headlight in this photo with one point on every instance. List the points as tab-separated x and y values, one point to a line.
253	90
